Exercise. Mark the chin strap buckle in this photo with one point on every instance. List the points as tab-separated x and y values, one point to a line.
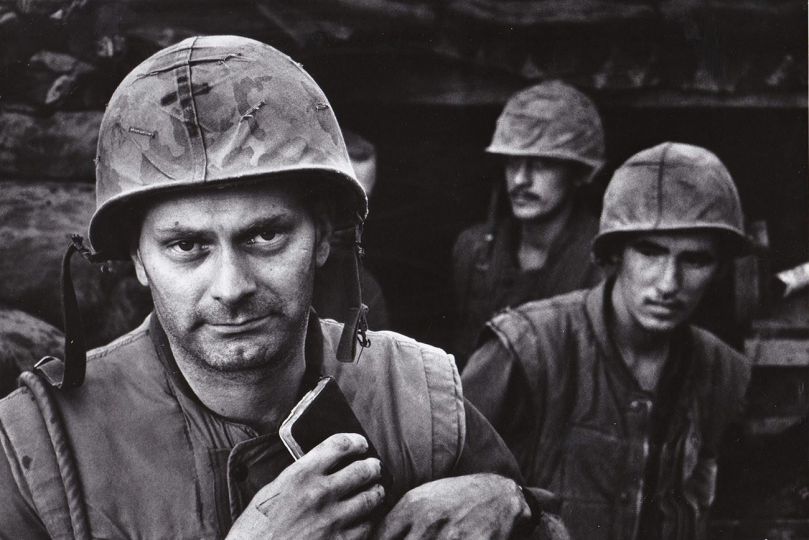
356	323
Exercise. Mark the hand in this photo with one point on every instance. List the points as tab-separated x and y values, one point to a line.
472	506
310	500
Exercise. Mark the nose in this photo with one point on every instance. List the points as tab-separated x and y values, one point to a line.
668	282
519	175
233	280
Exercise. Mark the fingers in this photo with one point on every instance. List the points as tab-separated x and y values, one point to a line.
393	528
333	450
361	505
357	532
355	475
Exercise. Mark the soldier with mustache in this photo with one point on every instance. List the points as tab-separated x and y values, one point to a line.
552	142
608	396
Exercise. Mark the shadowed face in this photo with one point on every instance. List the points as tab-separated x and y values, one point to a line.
662	277
231	273
539	187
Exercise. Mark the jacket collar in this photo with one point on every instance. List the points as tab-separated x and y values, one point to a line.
596	303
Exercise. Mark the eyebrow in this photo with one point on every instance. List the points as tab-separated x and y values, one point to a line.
257	224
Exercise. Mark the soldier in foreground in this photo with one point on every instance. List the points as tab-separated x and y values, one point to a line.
608	396
221	173
552	143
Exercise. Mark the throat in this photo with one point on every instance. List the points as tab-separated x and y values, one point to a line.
538	236
646	368
259	398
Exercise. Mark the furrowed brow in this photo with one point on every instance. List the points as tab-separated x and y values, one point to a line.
177	230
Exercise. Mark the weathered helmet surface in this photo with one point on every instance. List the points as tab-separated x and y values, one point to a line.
209	110
671	187
550	119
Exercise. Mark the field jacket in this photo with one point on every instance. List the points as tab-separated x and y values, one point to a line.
550	380
487	277
153	462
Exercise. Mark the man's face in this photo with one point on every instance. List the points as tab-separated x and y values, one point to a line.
662	277
231	273
538	187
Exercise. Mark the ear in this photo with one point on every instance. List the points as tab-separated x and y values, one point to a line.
140	270
323	233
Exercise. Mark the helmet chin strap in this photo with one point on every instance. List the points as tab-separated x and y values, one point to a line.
69	373
355	322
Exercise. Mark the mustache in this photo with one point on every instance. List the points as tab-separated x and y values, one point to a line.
523	193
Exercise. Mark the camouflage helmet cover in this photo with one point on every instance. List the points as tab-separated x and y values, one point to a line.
671	187
214	109
550	119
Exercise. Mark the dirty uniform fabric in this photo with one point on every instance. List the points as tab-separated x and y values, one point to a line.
625	463
488	278
153	462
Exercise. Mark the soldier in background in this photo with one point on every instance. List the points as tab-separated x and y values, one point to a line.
608	396
551	138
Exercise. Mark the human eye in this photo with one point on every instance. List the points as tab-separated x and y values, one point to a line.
185	248
698	259
649	249
265	238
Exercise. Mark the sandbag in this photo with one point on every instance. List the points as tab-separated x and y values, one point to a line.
24	339
59	146
35	218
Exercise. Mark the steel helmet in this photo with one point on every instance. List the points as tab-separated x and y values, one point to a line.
550	119
214	109
671	187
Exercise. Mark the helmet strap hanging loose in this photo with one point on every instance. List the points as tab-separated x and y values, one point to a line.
355	321
69	373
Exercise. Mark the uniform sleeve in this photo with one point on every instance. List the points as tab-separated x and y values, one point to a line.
18	518
484	450
494	382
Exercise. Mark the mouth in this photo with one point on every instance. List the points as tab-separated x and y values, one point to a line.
239	326
664	308
523	197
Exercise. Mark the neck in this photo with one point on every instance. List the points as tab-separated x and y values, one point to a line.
537	236
260	398
644	352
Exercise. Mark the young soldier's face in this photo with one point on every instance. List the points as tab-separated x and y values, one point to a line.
231	273
538	187
661	278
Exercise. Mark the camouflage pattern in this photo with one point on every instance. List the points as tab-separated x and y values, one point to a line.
214	109
550	119
670	187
